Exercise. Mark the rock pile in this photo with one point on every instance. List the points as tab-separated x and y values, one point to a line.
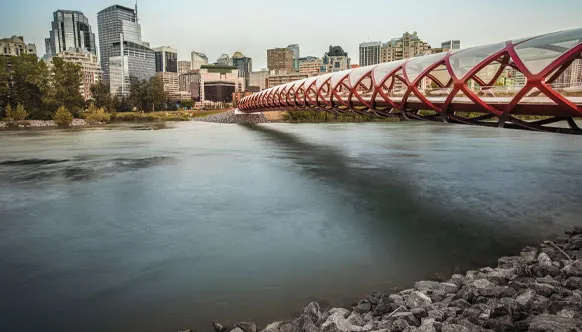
39	123
231	117
540	290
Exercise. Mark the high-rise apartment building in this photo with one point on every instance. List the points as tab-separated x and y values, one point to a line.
184	66
296	55
244	65
451	45
15	45
198	60
120	33
70	29
370	53
335	60
90	69
407	46
280	60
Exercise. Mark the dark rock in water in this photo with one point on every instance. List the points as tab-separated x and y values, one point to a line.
218	327
437	315
575	243
552	323
574	231
363	307
383	308
246	326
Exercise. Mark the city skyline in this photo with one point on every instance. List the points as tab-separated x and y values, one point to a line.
194	25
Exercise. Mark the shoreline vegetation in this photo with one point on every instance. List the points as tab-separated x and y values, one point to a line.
540	290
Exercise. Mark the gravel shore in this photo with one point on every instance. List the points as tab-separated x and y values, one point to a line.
540	290
231	117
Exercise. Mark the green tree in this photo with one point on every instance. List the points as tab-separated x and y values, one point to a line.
148	95
66	80
187	104
25	80
63	117
102	97
20	113
159	96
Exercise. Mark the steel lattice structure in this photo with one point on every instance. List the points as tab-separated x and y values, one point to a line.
487	85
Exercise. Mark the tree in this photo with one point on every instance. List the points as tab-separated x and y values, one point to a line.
20	113
25	80
63	117
102	96
148	95
187	104
66	80
159	96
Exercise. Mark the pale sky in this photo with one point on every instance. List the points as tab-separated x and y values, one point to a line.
252	26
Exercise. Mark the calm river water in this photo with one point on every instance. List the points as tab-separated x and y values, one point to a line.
125	229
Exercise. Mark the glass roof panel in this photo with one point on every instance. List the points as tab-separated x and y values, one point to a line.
384	68
463	61
417	65
321	79
337	77
356	74
539	52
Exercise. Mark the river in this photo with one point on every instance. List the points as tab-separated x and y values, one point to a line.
131	229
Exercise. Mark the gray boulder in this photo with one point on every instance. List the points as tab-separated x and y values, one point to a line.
417	299
313	312
246	326
454	328
552	323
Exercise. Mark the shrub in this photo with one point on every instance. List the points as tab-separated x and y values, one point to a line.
8	112
20	113
63	117
97	116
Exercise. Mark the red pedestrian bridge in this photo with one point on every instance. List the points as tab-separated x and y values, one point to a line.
531	83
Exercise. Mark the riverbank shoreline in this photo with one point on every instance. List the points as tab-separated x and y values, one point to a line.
540	290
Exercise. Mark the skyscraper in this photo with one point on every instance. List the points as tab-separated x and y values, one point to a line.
120	32
70	29
244	65
370	53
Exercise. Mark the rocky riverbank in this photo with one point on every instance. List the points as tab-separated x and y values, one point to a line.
39	123
231	117
540	290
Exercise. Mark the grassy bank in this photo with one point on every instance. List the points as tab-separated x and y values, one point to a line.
160	116
316	116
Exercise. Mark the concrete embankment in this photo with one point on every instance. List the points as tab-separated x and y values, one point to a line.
231	117
540	290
